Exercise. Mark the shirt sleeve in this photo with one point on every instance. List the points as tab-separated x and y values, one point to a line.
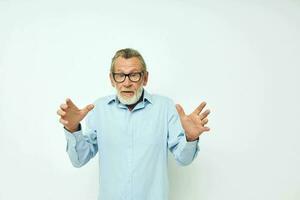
81	147
183	151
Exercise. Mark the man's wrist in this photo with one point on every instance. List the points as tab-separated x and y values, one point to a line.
192	140
73	129
189	139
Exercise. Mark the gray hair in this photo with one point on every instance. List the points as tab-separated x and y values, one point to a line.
128	53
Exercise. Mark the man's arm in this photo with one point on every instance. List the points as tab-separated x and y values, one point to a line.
80	147
184	151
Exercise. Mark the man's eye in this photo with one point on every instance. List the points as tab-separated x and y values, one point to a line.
120	75
134	74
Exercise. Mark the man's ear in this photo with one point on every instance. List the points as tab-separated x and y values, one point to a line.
111	80
145	78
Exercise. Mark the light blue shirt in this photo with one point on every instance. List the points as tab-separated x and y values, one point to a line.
132	146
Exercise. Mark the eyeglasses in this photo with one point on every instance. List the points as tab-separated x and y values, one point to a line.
134	77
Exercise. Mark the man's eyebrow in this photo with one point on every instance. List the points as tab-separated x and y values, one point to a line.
133	71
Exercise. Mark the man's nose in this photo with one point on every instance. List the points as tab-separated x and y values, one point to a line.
127	82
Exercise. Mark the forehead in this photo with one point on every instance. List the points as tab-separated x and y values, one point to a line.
127	65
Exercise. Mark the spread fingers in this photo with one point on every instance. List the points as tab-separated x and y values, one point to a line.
61	113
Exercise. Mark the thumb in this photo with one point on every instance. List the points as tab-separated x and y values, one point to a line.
180	110
88	108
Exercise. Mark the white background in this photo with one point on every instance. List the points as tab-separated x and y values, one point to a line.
242	57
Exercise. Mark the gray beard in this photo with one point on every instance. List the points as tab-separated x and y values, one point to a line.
131	100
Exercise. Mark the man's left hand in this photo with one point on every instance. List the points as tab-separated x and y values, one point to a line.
194	123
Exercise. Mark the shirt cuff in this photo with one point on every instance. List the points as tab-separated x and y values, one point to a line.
73	137
191	144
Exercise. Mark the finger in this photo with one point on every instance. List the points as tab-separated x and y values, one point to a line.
205	114
205	129
88	108
64	122
180	110
199	108
61	113
70	103
204	121
63	106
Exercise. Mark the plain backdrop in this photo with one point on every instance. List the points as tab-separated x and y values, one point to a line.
241	57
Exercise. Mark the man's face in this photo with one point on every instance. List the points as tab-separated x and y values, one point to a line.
129	91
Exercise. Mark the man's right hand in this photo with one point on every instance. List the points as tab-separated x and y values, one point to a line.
71	115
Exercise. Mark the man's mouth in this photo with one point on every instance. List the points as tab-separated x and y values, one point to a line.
127	93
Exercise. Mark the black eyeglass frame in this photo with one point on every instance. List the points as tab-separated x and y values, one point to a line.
125	75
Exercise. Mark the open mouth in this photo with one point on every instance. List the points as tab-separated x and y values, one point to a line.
127	93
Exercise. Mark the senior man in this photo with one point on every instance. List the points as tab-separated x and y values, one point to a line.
132	131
